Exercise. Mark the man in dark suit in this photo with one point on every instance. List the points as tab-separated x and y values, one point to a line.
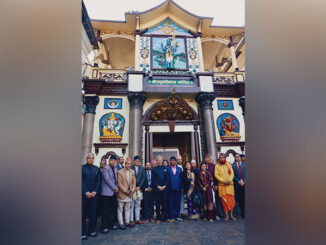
91	180
148	194
160	184
140	180
175	187
120	162
239	182
109	191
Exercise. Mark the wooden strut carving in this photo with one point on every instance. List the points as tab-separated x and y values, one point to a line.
172	108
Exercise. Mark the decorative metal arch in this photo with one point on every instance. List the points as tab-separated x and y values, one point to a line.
182	113
108	154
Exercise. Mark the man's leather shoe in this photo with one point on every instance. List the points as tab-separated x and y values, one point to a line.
105	231
93	234
122	227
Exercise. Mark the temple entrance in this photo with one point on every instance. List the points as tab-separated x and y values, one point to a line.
175	113
172	144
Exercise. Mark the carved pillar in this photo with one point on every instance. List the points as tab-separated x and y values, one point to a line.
90	103
205	100
137	44
199	47
233	56
192	146
242	103
136	100
148	145
197	144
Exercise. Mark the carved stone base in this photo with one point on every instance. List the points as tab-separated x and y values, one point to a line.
230	138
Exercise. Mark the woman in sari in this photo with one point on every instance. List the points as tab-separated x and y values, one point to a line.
189	184
205	184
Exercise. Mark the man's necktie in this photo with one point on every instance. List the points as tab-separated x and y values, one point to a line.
149	178
239	166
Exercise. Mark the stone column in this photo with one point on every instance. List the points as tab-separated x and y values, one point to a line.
197	144
137	44
199	47
192	146
205	99
233	56
90	103
136	100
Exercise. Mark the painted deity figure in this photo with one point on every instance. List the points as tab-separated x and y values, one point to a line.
111	127
169	49
228	126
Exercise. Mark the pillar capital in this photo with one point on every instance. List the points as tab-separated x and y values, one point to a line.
205	99
90	102
136	99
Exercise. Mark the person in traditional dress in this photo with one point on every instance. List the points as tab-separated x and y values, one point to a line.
224	174
127	186
165	163
195	168
205	184
138	195
189	185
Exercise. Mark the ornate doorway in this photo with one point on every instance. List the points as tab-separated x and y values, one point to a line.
172	111
172	144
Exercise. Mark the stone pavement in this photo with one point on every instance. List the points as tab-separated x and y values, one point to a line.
186	232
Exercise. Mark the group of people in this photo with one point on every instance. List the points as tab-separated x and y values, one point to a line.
122	192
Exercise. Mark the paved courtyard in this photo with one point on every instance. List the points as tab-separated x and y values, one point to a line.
186	232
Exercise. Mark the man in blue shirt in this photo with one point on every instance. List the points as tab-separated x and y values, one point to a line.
175	187
160	180
91	180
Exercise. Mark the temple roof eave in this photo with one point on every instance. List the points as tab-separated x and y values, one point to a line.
168	8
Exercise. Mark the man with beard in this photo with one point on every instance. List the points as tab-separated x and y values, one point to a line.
210	167
224	174
182	199
239	182
160	180
148	194
119	165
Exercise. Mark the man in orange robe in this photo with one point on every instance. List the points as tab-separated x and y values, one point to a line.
224	174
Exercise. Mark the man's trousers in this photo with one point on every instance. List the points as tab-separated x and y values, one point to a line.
89	207
123	206
148	204
109	211
240	195
174	203
135	209
161	198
